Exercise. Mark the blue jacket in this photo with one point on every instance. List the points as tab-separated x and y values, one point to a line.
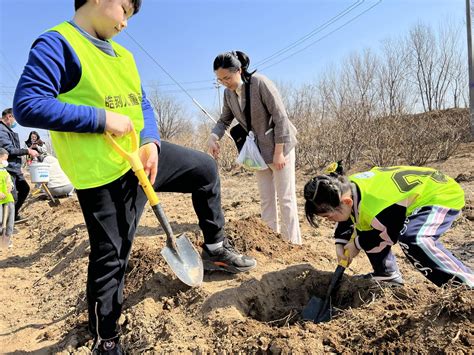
53	68
10	141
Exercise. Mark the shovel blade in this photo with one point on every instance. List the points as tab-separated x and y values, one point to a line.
319	310
54	203
324	315
185	261
316	310
310	311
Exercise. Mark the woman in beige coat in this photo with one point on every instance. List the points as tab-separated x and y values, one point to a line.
275	136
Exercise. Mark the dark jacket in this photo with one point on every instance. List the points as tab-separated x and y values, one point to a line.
10	141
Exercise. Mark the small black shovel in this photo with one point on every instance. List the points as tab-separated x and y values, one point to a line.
319	310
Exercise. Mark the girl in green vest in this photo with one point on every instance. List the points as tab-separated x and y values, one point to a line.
410	205
7	203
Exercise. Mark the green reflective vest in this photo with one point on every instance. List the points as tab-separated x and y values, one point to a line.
383	187
107	82
5	179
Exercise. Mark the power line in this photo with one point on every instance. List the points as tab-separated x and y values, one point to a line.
321	38
178	91
11	71
173	79
182	83
159	65
312	33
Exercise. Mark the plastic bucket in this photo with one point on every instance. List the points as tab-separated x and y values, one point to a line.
39	172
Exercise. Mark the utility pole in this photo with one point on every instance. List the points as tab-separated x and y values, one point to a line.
471	65
218	87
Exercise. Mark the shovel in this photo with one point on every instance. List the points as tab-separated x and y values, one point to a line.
179	253
319	310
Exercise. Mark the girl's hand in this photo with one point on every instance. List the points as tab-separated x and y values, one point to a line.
353	251
149	156
2	196
340	253
213	147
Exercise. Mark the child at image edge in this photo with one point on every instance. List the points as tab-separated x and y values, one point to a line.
7	202
410	205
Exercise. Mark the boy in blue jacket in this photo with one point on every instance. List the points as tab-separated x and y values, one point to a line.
78	84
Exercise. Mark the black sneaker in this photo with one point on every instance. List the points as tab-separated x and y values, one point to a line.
394	279
20	219
226	258
108	347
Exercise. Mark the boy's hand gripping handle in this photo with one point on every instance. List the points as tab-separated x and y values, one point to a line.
134	159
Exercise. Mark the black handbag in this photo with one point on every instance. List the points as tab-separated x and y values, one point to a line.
238	132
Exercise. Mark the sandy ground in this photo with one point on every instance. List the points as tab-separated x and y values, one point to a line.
42	287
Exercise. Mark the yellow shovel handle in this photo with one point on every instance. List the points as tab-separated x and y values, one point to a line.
345	262
134	159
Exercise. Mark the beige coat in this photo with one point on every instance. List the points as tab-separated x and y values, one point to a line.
270	122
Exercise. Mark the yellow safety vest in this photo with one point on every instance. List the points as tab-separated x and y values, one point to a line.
107	82
383	187
4	178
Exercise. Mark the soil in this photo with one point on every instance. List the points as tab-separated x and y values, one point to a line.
42	286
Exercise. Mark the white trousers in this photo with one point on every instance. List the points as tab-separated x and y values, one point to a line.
279	185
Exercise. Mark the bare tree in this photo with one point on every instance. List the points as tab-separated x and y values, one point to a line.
392	78
170	115
360	72
434	63
460	83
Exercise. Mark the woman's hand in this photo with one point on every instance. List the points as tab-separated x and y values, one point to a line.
213	147
149	157
279	160
2	196
33	153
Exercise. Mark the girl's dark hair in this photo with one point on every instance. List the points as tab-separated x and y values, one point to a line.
323	194
234	61
136	5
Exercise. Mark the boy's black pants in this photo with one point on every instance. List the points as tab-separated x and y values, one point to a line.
112	213
20	191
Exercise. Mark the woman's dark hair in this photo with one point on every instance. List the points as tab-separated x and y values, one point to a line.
323	194
136	5
234	61
39	142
